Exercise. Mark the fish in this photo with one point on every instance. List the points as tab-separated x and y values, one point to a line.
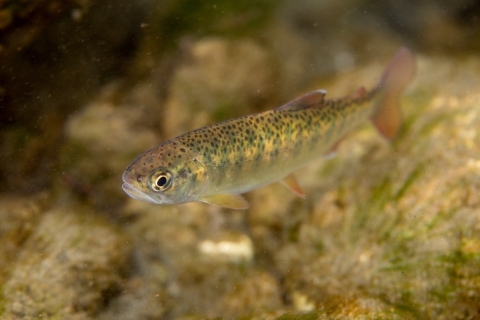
217	163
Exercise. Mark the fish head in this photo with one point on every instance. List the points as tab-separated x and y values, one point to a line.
167	174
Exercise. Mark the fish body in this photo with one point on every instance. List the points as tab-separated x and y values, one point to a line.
216	163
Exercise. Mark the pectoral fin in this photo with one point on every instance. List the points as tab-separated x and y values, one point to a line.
232	201
291	183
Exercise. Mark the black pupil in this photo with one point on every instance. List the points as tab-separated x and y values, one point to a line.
161	181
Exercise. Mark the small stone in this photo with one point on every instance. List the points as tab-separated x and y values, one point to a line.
234	248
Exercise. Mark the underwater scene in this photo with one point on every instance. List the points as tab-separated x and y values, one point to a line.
255	159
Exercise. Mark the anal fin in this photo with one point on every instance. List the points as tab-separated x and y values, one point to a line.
291	183
232	201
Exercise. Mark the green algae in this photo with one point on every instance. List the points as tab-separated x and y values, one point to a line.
78	284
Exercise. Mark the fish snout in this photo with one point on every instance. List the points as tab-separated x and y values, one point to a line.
137	194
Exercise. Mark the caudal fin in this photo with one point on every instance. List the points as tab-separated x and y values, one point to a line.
387	117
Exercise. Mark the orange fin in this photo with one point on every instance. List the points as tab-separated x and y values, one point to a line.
291	183
310	100
232	201
398	73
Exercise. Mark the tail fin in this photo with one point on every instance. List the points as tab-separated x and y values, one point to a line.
387	116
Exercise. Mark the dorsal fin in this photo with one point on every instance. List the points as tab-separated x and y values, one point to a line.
310	100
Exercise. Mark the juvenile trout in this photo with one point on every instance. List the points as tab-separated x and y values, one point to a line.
217	163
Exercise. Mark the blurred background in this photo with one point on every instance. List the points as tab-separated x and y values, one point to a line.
86	86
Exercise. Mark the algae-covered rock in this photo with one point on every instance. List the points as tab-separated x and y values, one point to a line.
19	217
142	297
69	268
204	269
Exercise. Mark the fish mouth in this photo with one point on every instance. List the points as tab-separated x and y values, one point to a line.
136	194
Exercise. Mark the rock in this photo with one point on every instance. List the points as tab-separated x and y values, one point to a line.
229	246
141	298
203	274
70	267
254	292
19	217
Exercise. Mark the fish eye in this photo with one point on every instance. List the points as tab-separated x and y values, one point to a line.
161	181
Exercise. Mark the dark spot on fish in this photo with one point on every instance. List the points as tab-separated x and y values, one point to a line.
182	149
